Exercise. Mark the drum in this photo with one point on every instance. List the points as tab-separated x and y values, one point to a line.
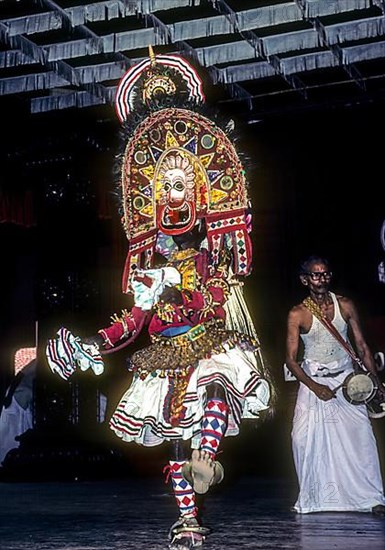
362	389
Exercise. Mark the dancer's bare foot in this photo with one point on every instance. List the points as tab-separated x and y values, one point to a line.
202	471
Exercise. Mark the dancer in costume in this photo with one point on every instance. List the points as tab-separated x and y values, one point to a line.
335	451
183	195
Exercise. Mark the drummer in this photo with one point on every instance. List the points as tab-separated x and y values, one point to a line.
334	447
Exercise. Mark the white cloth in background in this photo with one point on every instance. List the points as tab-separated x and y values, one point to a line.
16	415
14	421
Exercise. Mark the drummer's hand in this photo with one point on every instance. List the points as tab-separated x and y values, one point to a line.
322	392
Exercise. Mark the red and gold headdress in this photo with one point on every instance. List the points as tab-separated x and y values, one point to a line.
177	166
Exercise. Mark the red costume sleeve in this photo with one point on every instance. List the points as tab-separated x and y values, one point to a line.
123	327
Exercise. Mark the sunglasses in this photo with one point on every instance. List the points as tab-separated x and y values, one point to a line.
316	275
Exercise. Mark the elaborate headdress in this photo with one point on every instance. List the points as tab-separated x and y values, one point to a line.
176	167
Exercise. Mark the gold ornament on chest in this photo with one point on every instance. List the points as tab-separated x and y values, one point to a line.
186	267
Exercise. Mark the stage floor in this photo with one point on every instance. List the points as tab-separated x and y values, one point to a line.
249	512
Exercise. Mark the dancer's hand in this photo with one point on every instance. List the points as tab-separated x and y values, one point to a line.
95	339
172	295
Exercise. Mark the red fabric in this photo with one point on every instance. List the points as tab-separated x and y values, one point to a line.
17	209
115	331
193	304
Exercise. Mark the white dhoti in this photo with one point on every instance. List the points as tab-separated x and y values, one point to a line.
334	448
14	421
141	415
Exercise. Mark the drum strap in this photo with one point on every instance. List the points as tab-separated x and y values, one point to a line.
317	312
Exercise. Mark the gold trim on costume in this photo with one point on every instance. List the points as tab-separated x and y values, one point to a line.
171	356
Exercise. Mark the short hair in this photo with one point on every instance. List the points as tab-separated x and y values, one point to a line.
305	264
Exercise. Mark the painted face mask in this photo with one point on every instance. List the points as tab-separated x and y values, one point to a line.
177	167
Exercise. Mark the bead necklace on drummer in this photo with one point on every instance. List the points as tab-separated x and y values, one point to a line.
334	447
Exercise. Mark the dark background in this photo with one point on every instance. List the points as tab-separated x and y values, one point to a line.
316	184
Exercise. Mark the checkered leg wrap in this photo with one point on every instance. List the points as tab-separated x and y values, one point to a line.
214	425
183	491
